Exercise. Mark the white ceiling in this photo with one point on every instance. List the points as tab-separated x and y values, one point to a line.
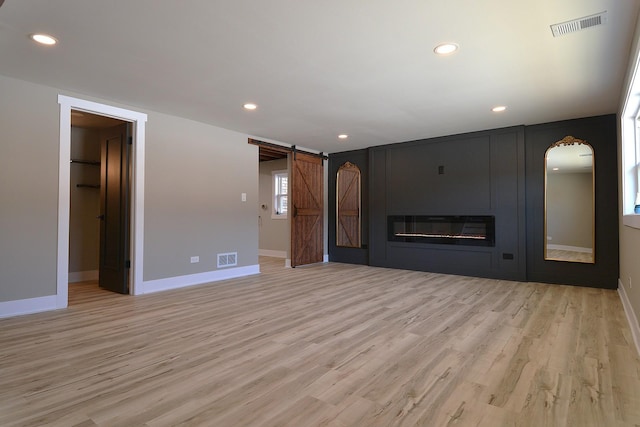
320	68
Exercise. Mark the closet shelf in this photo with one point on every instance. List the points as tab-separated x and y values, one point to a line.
86	162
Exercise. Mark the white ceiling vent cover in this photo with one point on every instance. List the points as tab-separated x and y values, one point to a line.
579	24
228	260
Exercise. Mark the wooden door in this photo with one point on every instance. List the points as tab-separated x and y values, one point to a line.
306	209
114	209
348	206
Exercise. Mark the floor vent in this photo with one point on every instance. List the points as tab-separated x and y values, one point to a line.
579	24
227	260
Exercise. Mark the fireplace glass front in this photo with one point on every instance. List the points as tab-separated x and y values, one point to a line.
443	229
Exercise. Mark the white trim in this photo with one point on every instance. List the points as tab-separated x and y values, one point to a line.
82	276
28	306
151	286
570	248
631	316
631	220
325	258
272	253
287	263
137	209
628	139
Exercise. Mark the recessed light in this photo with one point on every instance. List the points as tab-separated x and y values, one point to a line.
556	169
445	48
250	106
44	39
343	136
499	109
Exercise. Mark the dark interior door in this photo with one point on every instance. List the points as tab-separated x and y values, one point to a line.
114	209
307	209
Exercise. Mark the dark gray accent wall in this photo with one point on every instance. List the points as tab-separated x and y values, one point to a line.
359	158
498	172
600	132
481	173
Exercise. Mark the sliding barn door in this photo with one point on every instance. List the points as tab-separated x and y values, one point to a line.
306	209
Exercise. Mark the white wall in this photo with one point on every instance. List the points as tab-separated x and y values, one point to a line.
629	236
195	174
274	234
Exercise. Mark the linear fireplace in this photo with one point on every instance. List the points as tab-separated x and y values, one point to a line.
443	229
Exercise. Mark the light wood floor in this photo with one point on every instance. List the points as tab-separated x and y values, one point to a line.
326	345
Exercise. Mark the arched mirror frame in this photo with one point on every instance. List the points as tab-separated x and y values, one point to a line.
348	206
569	141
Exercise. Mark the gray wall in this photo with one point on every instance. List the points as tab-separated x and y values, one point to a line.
84	227
195	174
274	233
29	131
570	209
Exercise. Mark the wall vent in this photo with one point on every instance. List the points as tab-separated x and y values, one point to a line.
579	24
229	259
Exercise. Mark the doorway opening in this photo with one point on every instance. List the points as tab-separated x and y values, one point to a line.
303	202
273	217
98	246
135	200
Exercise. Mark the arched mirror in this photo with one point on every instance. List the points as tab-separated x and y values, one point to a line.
348	206
569	201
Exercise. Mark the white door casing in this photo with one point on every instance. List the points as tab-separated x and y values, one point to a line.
137	190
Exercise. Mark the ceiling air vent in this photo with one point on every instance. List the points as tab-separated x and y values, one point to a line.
579	24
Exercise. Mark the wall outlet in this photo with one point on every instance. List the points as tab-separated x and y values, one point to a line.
195	259
243	197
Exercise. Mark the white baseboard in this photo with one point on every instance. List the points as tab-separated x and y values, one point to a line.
272	253
570	248
151	286
82	276
631	316
325	258
28	306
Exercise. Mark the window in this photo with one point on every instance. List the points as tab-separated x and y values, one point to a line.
280	194
630	135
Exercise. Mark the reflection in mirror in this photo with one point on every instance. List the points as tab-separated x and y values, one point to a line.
569	201
348	206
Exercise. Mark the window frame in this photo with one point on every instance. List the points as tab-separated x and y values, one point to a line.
276	196
630	149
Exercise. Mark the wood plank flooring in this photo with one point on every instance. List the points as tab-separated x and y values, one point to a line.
330	345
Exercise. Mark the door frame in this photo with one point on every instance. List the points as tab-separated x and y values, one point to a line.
138	121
